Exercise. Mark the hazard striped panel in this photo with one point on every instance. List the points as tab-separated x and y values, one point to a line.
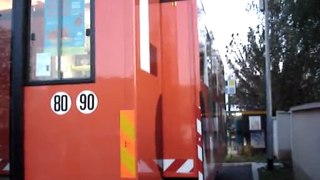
4	167
144	167
179	166
199	145
128	144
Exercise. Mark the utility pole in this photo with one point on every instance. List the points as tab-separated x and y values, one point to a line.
264	8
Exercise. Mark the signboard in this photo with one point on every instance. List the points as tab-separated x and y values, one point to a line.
231	87
64	22
254	123
257	139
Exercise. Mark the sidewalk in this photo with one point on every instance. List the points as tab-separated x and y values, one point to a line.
235	171
240	171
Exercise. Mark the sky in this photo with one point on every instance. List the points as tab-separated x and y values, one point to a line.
225	17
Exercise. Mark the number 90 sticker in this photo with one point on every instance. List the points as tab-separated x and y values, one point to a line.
87	102
60	103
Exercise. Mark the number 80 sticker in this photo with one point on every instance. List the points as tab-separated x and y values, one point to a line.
60	103
87	102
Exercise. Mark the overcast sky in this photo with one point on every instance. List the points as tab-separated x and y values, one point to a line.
225	17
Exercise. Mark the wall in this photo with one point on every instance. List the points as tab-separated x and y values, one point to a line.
306	141
282	140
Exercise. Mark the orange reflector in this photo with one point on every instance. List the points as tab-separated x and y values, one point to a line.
128	144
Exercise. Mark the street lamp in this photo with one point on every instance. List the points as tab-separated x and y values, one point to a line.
264	7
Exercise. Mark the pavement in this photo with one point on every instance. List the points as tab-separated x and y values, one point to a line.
241	171
235	171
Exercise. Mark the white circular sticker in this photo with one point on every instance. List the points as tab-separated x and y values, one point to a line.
60	103
87	102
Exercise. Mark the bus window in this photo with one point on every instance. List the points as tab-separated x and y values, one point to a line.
60	41
149	35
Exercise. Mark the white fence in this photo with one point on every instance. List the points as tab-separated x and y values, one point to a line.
305	144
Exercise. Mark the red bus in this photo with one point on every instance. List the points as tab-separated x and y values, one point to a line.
104	89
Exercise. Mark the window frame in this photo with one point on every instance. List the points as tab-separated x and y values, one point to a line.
91	79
